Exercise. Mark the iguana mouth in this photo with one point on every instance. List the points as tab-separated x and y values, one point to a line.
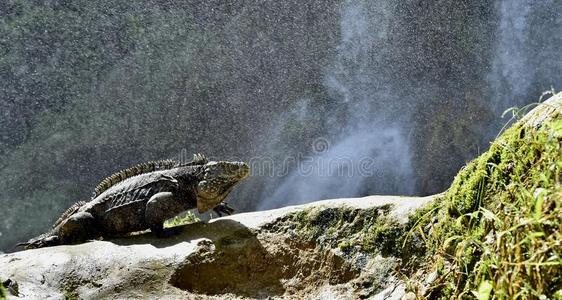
204	204
244	170
237	171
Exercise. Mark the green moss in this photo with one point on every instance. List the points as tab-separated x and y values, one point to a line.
385	235
498	226
349	229
345	246
69	290
467	192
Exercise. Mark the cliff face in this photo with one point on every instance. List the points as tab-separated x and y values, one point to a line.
324	249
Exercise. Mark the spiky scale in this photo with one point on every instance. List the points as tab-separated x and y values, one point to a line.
133	171
70	211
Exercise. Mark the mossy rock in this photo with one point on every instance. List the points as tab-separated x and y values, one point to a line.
498	226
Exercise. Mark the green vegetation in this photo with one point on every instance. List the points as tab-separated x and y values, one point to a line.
496	233
3	291
187	218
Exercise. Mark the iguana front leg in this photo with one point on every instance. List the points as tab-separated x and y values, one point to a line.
161	207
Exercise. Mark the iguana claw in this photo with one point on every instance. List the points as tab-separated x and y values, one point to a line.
223	208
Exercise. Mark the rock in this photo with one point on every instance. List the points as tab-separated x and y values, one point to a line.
11	286
543	112
274	254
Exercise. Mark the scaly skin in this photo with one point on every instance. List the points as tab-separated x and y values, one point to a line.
145	201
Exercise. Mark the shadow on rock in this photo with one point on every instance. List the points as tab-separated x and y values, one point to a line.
229	259
188	233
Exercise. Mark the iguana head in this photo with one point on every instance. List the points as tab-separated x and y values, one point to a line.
218	179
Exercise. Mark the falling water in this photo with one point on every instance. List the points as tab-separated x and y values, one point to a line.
373	149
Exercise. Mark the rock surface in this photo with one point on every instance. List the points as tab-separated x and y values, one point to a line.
251	255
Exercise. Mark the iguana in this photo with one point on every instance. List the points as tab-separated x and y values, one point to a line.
143	197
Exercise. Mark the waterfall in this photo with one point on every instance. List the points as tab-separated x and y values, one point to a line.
372	150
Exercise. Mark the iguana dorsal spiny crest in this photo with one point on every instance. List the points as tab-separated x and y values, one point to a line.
143	197
151	166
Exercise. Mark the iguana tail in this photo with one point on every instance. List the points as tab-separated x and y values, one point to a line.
45	240
51	238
